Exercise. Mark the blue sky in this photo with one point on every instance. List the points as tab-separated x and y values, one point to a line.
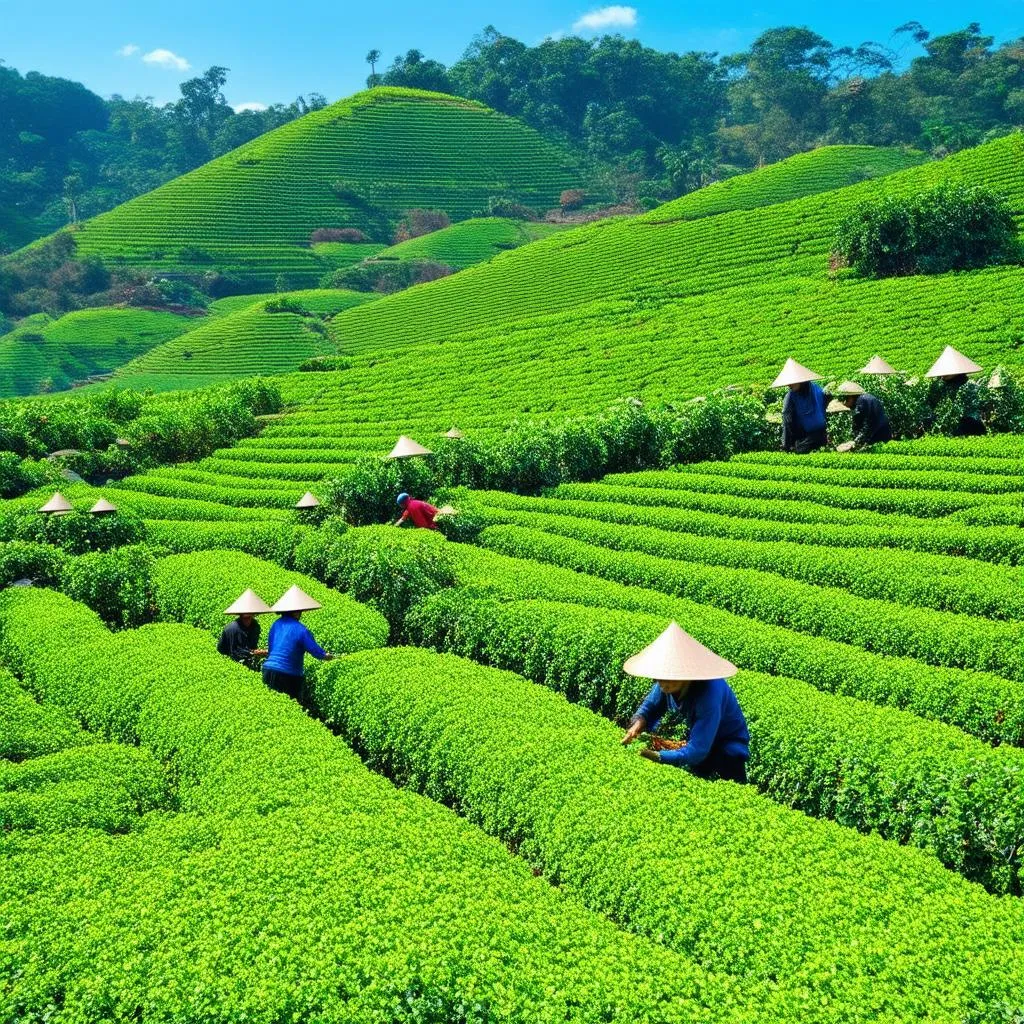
276	50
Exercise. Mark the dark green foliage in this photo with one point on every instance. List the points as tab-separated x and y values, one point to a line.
77	533
320	364
41	563
367	492
117	584
18	475
386	276
387	568
950	227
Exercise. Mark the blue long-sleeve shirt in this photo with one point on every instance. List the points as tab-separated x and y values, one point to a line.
803	413
288	642
713	715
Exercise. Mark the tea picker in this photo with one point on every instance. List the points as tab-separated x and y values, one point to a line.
289	641
240	639
419	513
950	371
803	409
870	423
689	681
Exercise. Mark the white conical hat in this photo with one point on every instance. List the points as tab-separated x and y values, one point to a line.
103	506
951	363
250	603
676	655
878	366
57	505
455	434
996	380
406	447
308	500
794	373
849	387
836	406
295	600
446	510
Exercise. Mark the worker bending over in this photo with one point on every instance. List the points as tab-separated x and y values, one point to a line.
690	681
419	513
870	423
803	409
240	639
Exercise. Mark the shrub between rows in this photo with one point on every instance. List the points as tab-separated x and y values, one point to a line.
938	638
843	926
868	767
293	883
929	581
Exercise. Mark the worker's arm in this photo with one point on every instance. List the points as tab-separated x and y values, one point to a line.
402	518
312	647
223	644
652	708
708	717
788	422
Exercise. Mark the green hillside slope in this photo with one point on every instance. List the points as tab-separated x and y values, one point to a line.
358	163
79	344
272	335
805	174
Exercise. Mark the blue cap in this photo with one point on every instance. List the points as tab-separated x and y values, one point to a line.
402	498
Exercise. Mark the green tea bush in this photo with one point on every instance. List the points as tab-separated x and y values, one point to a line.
32	729
953	226
75	532
387	568
887	771
18	475
22	559
776	895
117	584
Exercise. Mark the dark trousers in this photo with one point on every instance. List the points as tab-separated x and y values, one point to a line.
730	767
810	442
283	682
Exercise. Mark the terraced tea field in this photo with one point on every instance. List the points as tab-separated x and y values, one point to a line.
359	163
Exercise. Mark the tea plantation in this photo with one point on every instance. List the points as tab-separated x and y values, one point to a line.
448	828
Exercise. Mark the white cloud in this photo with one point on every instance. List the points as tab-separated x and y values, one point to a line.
606	17
128	51
252	105
166	59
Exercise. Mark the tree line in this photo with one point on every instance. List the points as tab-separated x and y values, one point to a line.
647	125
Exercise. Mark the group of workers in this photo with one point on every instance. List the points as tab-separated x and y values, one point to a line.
288	641
804	409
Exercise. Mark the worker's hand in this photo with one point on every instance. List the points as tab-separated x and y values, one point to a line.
633	731
651	755
658	743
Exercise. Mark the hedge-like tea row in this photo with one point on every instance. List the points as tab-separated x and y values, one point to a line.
938	638
275	541
929	581
845	926
31	729
884	498
196	588
950	536
982	704
294	884
1008	446
102	785
868	767
869	464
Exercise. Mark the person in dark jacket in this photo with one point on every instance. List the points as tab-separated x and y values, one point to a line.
870	423
289	641
690	683
803	409
240	639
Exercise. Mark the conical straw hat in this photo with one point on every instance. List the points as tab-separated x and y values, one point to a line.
406	447
57	505
676	655
455	434
295	600
836	406
849	387
878	366
103	506
250	603
308	500
951	363
996	380
794	373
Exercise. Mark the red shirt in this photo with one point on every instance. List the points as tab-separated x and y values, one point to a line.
420	513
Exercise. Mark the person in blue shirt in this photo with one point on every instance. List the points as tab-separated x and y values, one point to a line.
803	409
690	682
288	643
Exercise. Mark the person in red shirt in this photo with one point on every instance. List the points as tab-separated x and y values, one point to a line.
420	512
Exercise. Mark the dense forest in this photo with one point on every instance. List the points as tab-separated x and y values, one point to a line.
648	125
